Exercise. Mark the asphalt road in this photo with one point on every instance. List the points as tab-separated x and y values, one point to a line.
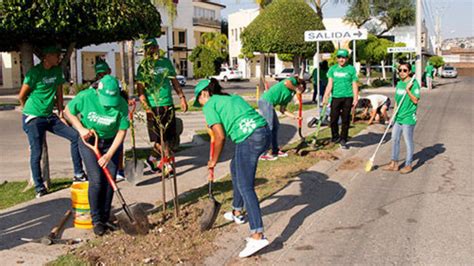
336	214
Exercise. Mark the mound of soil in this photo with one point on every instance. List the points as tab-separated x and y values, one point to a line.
170	241
325	155
351	164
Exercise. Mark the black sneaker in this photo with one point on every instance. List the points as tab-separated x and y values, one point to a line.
111	227
336	140
343	144
99	229
81	178
41	193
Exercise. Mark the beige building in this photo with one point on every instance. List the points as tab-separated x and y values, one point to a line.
10	72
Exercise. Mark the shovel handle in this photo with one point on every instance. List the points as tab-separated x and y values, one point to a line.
211	152
96	151
56	229
300	109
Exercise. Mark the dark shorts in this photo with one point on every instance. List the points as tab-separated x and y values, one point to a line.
386	103
165	114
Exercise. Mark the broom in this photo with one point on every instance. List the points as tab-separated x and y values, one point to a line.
369	165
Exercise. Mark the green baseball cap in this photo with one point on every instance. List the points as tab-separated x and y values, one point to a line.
197	90
109	91
150	42
101	67
343	53
51	50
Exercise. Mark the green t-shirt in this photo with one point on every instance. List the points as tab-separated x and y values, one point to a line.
238	118
407	113
106	121
279	94
43	84
429	71
158	85
342	77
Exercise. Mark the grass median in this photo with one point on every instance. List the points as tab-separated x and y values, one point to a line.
174	241
11	193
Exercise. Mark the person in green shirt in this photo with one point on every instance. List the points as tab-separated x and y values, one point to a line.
405	119
104	111
279	94
155	77
342	84
323	80
230	115
429	71
41	90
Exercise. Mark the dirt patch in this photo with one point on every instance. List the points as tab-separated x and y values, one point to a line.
351	164
325	155
169	242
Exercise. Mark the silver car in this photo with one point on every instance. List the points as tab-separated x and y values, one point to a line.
449	72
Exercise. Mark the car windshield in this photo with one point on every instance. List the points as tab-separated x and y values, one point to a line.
449	68
287	70
231	69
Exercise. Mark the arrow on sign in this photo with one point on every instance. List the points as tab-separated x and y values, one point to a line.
358	34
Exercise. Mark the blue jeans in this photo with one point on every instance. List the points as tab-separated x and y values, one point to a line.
36	130
407	131
100	191
268	112
243	168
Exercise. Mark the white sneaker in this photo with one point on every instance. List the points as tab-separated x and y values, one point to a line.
239	219
253	246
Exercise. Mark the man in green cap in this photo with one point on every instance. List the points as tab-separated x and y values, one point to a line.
41	88
155	78
342	84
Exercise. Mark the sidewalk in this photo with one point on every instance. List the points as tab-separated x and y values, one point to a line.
35	218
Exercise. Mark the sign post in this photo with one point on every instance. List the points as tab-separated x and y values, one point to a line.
333	35
318	85
393	51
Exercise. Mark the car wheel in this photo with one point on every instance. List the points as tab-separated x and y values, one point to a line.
226	79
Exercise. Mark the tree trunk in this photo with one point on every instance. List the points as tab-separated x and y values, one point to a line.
368	74
262	73
123	62
26	55
296	64
73	72
384	75
131	66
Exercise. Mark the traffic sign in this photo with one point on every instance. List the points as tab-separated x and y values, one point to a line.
401	50
335	35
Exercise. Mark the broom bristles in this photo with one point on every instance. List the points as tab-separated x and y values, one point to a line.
368	166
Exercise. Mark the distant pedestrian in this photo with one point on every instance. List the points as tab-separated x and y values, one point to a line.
342	84
104	111
279	94
323	81
230	115
41	88
405	119
429	71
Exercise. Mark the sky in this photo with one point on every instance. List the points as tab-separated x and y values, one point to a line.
456	15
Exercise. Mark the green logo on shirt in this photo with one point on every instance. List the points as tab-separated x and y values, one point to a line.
99	119
247	125
49	81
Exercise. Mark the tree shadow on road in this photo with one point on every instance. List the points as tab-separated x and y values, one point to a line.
33	221
316	193
368	139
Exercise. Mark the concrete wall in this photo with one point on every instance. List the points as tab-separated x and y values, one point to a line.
10	71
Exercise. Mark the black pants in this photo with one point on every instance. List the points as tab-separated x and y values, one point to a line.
341	107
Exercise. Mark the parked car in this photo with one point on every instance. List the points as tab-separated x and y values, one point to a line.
449	72
229	73
182	80
289	72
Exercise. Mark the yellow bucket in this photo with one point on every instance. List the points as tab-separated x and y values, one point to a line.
80	205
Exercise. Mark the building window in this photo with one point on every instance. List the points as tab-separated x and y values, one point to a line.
200	12
182	37
236	35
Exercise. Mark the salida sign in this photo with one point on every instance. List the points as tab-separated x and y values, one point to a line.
338	35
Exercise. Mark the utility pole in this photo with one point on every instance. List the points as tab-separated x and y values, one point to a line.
438	34
419	32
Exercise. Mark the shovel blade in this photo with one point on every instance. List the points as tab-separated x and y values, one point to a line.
134	224
211	210
133	171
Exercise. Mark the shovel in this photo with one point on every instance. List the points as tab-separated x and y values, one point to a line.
302	143
132	218
133	168
52	237
211	206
